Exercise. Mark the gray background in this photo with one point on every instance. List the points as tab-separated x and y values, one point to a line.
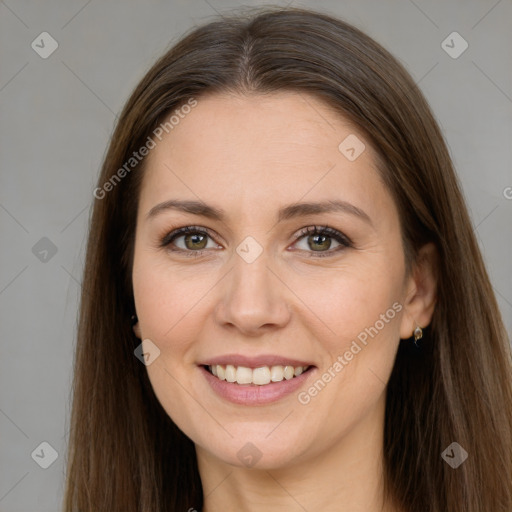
57	116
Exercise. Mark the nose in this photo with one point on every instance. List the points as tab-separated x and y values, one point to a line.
253	299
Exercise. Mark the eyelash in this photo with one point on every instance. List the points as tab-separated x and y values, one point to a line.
342	239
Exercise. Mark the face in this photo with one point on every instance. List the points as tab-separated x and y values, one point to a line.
261	287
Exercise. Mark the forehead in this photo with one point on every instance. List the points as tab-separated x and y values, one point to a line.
259	150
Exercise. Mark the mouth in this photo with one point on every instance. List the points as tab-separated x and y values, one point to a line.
256	380
260	376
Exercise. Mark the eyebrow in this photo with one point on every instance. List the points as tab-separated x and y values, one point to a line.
285	213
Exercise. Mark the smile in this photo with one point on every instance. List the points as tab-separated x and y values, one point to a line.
255	380
260	376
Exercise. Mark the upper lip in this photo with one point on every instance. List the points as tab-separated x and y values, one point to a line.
254	361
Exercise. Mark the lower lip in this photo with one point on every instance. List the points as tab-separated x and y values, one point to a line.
253	394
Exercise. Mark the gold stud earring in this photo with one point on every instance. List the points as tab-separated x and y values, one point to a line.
418	334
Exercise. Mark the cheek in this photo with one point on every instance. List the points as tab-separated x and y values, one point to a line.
167	297
356	323
349	302
167	302
360	345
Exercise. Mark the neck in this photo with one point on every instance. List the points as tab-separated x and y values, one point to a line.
348	477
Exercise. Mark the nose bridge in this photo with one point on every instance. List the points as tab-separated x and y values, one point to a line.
251	277
253	295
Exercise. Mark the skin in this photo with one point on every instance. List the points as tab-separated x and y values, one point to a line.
251	155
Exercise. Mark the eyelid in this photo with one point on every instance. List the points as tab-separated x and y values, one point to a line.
325	230
341	238
177	232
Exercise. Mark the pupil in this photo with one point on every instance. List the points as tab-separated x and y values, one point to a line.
196	238
319	240
323	239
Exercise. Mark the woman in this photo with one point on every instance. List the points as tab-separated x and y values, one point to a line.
284	305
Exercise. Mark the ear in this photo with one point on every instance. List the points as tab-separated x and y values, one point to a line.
136	330
420	291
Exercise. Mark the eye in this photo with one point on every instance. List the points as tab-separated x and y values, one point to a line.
318	239
190	240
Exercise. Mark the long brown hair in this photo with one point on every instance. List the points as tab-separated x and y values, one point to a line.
125	453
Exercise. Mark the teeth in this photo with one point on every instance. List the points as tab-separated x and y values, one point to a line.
243	375
257	376
288	372
276	373
261	376
230	373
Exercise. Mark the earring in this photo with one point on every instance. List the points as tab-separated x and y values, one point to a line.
134	319
418	334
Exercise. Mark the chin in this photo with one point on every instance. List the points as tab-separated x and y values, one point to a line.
253	450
